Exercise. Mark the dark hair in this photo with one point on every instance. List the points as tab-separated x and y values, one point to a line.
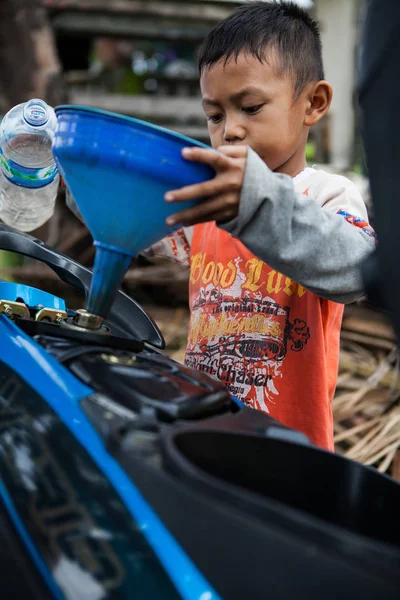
258	26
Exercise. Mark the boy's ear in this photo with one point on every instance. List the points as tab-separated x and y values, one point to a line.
319	98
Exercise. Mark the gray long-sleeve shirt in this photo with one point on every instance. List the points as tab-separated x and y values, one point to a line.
318	239
309	238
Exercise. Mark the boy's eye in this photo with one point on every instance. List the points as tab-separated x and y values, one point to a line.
252	110
214	118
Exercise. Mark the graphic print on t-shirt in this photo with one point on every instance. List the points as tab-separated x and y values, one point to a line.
238	332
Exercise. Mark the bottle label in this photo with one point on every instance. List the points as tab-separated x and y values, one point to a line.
26	177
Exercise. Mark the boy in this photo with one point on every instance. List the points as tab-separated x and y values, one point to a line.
276	246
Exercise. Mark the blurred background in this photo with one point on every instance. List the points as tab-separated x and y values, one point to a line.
138	57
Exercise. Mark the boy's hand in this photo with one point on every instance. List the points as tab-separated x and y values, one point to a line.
221	194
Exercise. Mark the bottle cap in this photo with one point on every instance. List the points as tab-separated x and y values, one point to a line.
36	113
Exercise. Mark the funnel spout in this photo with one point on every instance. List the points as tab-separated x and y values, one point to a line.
110	266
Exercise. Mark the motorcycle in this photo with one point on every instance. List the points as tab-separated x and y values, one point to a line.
127	475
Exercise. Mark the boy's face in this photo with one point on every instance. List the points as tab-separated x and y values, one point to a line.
247	102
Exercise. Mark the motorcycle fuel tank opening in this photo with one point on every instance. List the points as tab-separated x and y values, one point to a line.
85	321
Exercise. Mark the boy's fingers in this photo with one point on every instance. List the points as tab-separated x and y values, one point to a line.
197	191
220	217
234	151
213	158
223	208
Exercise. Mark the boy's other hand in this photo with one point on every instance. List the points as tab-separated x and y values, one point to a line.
221	194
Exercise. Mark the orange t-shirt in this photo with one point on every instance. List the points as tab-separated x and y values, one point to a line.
273	343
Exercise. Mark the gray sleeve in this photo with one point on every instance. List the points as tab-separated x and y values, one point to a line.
295	236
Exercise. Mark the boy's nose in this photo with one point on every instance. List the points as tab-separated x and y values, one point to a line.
233	132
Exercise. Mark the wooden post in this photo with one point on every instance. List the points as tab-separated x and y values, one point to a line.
28	57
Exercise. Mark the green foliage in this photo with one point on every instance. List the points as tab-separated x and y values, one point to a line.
311	151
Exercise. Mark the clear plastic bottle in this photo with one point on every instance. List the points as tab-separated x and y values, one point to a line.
29	176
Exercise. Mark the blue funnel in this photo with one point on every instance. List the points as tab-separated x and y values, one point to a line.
118	170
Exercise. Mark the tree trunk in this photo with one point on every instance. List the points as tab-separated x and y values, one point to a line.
29	65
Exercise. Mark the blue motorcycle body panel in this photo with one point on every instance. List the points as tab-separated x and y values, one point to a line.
29	295
40	404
